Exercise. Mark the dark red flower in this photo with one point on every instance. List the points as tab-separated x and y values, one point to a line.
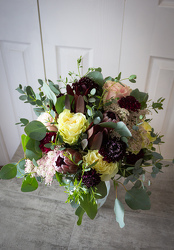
50	136
129	103
84	86
132	158
114	150
91	178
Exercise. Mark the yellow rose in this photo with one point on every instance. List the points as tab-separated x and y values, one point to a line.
107	170
71	125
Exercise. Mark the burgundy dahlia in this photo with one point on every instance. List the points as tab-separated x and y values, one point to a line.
132	158
91	178
129	103
50	137
63	162
84	86
114	150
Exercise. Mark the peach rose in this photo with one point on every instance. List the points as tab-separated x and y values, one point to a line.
115	90
47	120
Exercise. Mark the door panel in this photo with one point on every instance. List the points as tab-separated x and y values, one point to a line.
20	63
148	51
88	28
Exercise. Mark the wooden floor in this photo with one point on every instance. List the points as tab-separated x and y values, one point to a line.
42	221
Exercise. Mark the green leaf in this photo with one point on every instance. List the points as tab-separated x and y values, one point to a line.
132	77
22	164
21	169
137	199
60	104
35	130
53	88
29	184
97	120
157	155
30	91
38	111
97	77
142	97
39	102
31	154
33	145
119	77
108	78
24	121
101	189
119	212
24	140
93	91
23	97
79	212
120	127
49	93
88	205
40	82
8	171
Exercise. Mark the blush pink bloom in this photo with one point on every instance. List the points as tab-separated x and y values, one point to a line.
47	120
63	162
115	90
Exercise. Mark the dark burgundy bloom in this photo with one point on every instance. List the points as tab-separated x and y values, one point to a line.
129	103
114	150
91	178
132	158
47	139
84	86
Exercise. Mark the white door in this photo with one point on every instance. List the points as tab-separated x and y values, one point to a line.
20	63
89	28
148	51
133	36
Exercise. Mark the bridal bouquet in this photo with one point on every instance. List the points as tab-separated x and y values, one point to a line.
94	132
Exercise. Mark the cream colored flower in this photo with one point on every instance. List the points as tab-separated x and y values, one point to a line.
107	170
71	125
115	90
47	120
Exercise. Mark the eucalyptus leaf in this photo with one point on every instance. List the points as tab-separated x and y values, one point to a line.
137	199
23	97
120	127
40	82
79	212
8	171
60	104
31	154
35	130
49	93
97	77
119	212
29	184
